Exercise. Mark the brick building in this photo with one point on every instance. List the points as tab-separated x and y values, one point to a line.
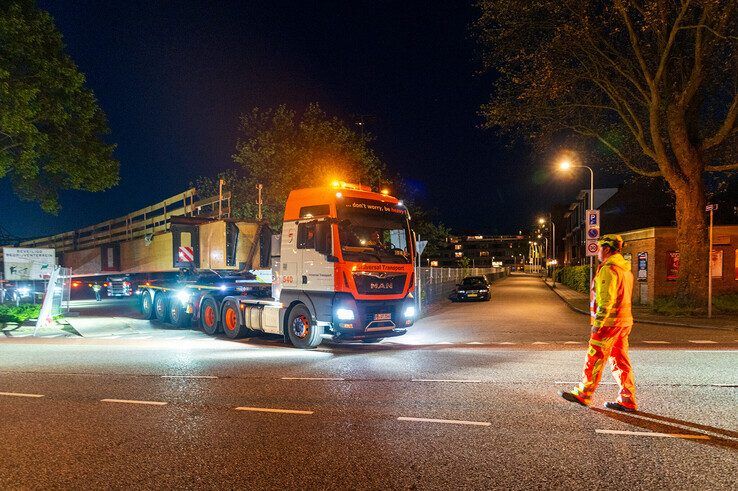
482	251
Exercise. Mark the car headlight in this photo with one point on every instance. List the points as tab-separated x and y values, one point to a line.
409	311
24	290
345	314
184	296
462	291
483	291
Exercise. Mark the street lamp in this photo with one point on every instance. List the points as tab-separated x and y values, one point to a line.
565	165
542	221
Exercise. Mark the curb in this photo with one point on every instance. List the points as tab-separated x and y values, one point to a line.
637	321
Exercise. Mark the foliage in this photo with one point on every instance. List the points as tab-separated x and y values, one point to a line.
575	277
51	127
19	314
283	150
654	85
726	303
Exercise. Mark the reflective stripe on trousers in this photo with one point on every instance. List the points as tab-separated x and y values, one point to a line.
612	343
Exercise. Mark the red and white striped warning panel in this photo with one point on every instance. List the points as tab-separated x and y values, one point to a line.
186	254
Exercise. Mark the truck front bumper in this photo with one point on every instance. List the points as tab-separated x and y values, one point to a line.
347	336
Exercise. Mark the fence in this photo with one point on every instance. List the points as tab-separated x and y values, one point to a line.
435	284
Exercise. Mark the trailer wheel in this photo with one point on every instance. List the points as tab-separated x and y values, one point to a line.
209	316
231	325
303	331
161	307
179	316
147	306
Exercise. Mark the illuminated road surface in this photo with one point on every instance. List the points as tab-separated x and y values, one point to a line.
134	411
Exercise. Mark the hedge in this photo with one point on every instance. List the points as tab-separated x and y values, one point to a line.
575	277
19	314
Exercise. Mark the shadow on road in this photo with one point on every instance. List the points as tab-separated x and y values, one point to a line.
665	424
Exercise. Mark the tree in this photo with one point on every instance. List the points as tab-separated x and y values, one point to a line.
653	83
283	150
51	127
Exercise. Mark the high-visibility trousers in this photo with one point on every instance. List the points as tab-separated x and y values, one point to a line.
612	343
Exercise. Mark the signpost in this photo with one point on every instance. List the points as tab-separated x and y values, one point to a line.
711	208
28	263
419	248
593	232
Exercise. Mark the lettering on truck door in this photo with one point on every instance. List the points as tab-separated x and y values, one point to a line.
291	257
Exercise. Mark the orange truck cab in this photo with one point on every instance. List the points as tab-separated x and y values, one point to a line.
345	269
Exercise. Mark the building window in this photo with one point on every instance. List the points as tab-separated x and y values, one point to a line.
434	264
457	247
483	253
459	254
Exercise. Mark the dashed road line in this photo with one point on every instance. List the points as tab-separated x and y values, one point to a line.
650	433
657	342
539	342
444	421
505	342
702	341
273	410
452	380
474	342
338	379
189	376
130	401
20	394
573	342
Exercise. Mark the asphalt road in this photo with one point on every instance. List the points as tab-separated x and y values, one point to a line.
414	413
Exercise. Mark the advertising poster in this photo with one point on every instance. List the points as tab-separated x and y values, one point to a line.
672	265
642	266
716	263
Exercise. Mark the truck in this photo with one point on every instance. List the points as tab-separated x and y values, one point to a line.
342	268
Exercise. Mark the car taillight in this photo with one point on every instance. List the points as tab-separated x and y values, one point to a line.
126	283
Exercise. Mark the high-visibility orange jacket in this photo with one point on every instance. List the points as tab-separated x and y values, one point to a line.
611	292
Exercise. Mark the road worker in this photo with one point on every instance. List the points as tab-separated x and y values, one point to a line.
96	288
612	320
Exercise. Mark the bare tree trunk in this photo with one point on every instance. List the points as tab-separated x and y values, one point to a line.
692	243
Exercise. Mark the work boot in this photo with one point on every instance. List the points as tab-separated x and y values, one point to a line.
619	407
569	396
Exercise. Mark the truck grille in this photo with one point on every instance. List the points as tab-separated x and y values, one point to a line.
378	315
379	284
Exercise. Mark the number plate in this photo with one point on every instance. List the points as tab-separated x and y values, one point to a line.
382	317
472	295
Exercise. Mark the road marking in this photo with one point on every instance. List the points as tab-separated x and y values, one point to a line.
313	378
649	433
505	342
272	410
572	342
188	376
128	401
461	381
702	341
656	342
474	342
446	421
19	394
539	342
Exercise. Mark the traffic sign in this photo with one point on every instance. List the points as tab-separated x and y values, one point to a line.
593	233
420	246
593	218
186	254
592	247
712	207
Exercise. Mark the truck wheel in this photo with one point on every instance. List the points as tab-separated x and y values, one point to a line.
147	306
303	332
161	307
231	324
179	316
209	317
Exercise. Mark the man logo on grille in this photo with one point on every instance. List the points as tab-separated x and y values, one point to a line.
381	286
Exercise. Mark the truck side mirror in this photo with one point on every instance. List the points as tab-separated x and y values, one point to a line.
323	242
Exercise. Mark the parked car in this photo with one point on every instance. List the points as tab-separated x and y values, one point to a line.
471	288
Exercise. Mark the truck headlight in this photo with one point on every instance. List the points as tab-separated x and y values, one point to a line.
23	291
184	296
409	312
345	314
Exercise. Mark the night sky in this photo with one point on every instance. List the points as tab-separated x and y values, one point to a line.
173	78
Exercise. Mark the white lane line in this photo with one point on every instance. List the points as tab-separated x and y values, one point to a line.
314	378
188	376
505	342
19	394
128	401
539	342
702	341
474	342
657	342
446	421
461	381
649	433
573	342
272	410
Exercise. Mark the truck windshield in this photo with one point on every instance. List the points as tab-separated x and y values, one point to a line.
372	231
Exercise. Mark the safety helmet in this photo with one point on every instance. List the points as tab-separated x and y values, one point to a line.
614	242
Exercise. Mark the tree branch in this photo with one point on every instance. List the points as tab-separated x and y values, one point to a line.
720	168
635	168
670	42
634	44
725	129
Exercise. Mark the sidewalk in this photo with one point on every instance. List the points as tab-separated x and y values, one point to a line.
579	302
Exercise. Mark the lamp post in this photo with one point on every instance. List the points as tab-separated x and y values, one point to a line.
542	221
565	165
